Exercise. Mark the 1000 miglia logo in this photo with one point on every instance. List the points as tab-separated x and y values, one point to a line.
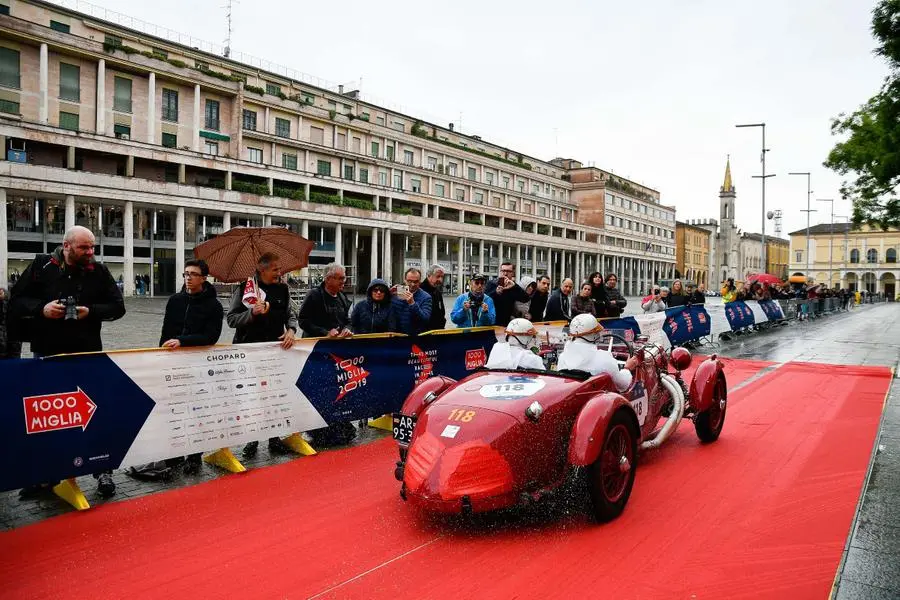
350	374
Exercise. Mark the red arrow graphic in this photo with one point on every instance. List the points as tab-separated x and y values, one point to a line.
52	412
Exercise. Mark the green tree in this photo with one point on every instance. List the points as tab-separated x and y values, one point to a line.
871	151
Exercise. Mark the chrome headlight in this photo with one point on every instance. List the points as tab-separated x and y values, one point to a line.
429	398
534	411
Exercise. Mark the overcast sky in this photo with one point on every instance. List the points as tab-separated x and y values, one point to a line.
650	90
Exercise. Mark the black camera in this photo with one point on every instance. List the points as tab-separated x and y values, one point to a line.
71	308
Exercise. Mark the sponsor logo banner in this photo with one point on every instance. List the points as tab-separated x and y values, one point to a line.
74	415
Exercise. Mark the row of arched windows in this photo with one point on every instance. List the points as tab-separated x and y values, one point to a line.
890	256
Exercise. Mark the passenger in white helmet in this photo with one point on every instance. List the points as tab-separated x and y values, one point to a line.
521	337
582	353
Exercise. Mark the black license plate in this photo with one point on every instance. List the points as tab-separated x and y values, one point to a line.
403	427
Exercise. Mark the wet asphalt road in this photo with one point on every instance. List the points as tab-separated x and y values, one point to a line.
865	336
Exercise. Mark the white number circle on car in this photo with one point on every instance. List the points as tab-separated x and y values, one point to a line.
512	388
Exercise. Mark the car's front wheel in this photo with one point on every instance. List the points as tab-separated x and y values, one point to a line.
709	423
611	476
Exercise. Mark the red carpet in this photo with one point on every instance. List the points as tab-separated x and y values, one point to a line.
736	370
764	512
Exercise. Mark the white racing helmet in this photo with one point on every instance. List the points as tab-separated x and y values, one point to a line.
585	327
522	332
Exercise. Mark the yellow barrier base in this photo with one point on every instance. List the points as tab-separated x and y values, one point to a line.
224	459
69	491
385	422
296	443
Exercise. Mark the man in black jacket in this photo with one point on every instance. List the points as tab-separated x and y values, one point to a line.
505	292
617	301
539	299
326	313
695	296
559	306
193	315
326	309
263	319
62	299
193	318
434	284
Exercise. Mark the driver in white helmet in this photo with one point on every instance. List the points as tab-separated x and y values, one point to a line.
521	337
582	353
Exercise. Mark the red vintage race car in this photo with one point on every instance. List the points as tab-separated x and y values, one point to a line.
497	439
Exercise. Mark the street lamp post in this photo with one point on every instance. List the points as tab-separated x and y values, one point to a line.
763	177
830	241
846	241
807	211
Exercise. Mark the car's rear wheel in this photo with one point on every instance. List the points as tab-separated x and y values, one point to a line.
709	423
611	476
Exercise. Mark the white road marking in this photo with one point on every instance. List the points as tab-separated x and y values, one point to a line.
375	568
758	375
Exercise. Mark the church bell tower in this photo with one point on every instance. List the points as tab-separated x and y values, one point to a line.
728	238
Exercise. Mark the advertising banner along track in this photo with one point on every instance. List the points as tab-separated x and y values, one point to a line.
73	415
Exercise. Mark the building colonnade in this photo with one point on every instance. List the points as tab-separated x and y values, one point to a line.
154	240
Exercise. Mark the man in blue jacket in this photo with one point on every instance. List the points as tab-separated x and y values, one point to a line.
413	305
474	308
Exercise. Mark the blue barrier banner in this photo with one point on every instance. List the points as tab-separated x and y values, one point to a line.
66	417
739	315
627	327
674	326
74	415
686	323
772	309
372	377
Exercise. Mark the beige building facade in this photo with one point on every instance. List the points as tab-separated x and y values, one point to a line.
840	255
778	253
636	224
158	146
692	252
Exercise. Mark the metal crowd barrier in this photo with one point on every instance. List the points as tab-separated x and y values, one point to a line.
797	308
790	308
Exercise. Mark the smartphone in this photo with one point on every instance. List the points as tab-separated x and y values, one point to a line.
402	289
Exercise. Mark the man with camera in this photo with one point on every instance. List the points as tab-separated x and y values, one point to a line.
60	303
505	292
657	301
474	308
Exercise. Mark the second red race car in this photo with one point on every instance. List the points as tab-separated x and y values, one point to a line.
501	438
